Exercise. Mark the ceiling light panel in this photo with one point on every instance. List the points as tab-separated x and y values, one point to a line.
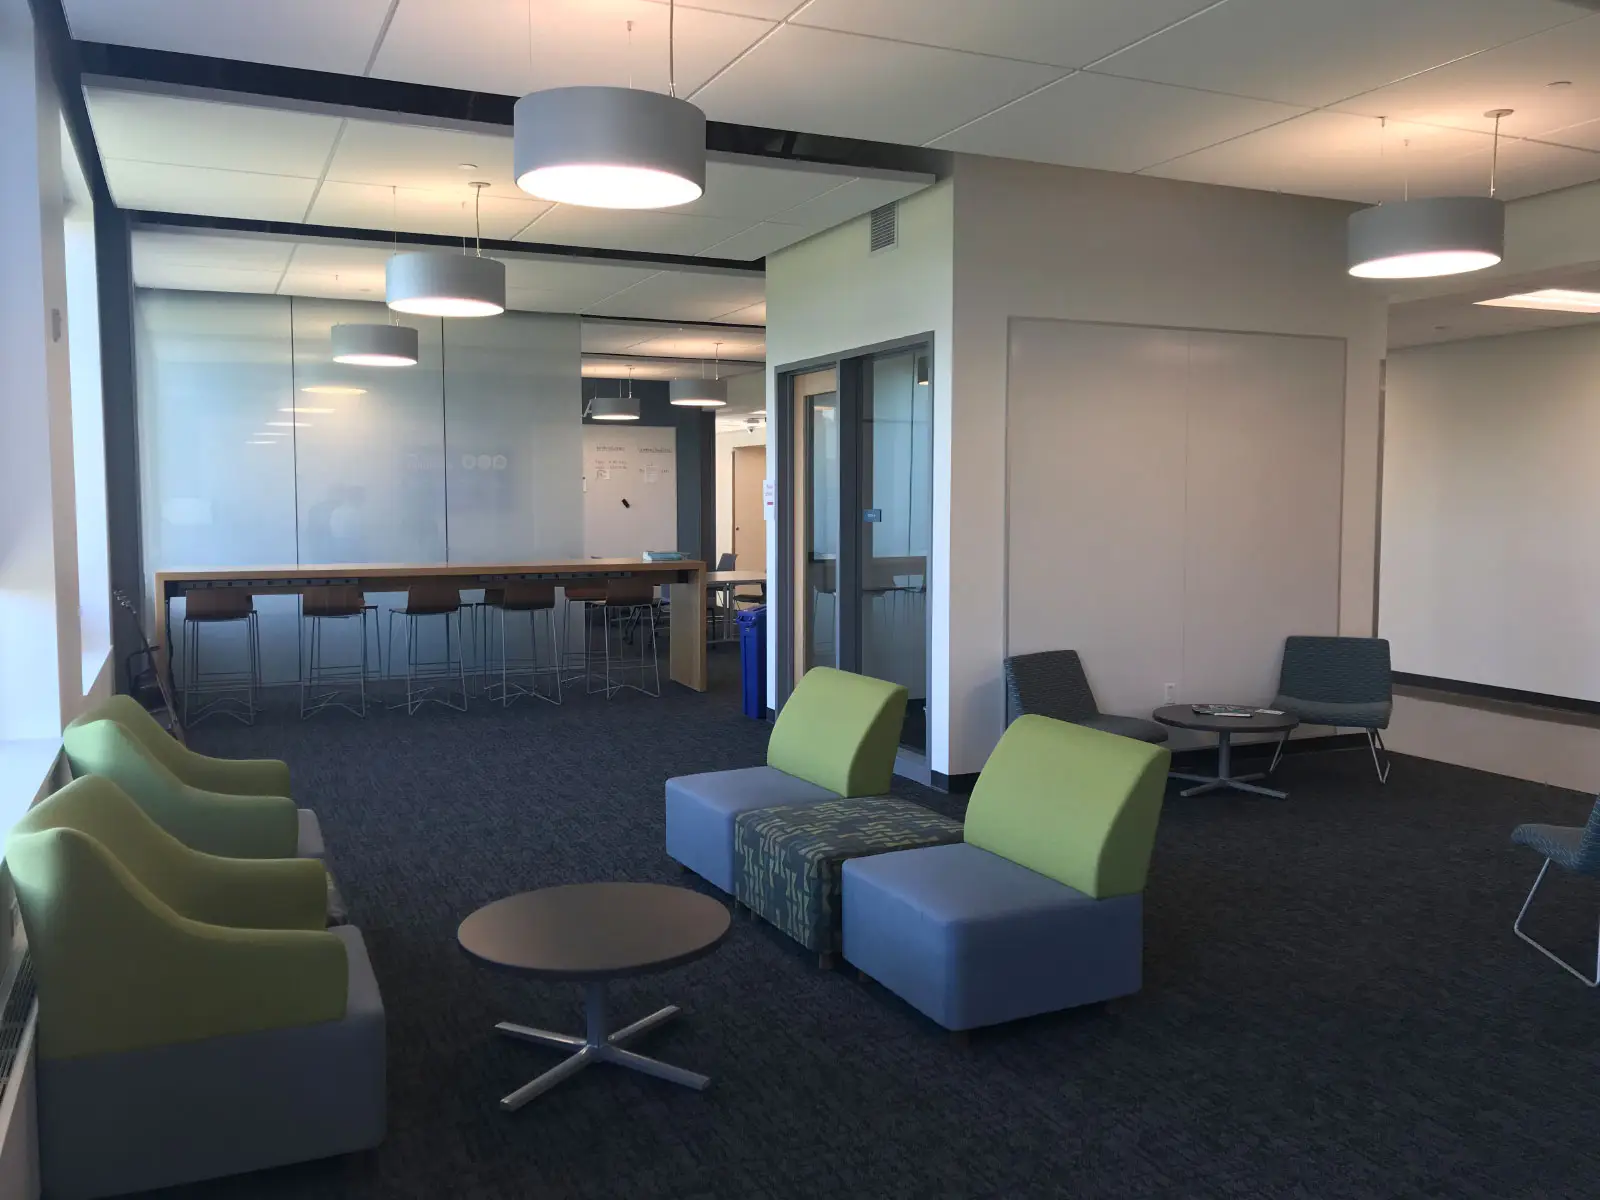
1549	300
312	34
1061	34
1313	52
1114	124
576	42
887	91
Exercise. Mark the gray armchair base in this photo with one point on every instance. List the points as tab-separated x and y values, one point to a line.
116	1123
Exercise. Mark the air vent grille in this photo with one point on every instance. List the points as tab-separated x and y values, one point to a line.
885	227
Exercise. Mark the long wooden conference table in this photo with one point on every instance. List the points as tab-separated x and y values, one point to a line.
688	607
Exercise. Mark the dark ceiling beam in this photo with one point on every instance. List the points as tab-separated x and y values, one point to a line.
295	85
292	229
591	319
684	359
50	22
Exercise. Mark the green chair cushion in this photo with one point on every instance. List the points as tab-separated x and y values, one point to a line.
119	970
840	732
232	826
242	893
229	776
1071	803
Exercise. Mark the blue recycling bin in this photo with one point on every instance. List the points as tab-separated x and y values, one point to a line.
753	659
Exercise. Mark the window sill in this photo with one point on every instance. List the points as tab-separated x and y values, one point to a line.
25	767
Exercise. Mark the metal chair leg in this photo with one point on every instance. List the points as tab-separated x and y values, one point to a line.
1516	928
1278	753
1375	744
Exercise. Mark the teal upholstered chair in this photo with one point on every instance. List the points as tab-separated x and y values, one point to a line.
1052	683
1574	848
1342	681
172	1049
206	803
1041	907
835	738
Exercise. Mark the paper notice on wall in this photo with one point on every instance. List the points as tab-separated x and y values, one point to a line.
769	496
602	473
652	475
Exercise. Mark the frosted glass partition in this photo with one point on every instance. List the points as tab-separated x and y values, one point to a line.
257	449
513	452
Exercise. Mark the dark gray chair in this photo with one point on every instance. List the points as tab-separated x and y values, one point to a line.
1051	683
1338	681
1574	847
727	562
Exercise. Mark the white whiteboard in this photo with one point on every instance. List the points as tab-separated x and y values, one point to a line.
630	490
1490	567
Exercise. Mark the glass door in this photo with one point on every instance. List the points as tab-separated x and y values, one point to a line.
822	524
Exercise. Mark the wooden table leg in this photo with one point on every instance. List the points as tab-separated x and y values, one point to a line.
688	665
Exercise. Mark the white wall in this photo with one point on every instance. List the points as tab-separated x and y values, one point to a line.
827	295
1490	563
745	392
1058	242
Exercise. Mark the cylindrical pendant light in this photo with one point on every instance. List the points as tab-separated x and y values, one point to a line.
699	393
375	345
611	147
1441	235
614	408
437	283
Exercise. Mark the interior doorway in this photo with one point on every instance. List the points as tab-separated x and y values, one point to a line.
749	519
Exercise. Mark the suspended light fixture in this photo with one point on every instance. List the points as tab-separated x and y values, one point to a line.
1441	235
702	392
615	408
437	283
373	345
611	147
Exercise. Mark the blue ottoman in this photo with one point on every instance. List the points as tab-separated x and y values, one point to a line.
970	939
701	810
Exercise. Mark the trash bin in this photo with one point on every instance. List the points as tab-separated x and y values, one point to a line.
753	659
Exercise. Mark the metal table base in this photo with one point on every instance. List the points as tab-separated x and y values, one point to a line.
600	1045
1225	778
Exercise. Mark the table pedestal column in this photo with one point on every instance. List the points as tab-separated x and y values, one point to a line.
601	1044
1224	778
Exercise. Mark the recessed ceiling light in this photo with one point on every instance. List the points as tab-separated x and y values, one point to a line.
467	166
332	389
303	409
1550	300
290	424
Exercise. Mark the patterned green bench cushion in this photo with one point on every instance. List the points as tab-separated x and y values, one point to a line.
790	857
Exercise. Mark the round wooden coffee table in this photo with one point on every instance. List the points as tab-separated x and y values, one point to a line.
591	933
1182	716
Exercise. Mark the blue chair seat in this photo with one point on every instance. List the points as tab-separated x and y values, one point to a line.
973	939
701	810
1372	715
1561	844
1137	728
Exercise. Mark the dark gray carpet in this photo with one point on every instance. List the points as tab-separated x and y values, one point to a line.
1334	1003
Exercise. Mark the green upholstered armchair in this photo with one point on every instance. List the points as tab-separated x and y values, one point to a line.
241	893
155	1028
839	731
231	777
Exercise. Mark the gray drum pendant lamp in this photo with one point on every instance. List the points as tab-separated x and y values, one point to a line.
618	407
375	345
1441	235
701	393
441	283
611	147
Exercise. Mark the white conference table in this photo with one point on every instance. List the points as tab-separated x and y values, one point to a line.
724	583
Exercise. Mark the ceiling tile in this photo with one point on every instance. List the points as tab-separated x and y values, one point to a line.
554	286
683	296
367	206
1516	76
335	270
843	203
755	314
484	45
836	83
1114	124
313	34
1067	35
707	342
1338	155
754	190
1316	52
191	277
1585	134
663	232
759	241
204	133
420	156
1527	168
154	246
205	192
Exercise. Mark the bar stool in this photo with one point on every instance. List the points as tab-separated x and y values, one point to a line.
423	600
630	604
337	603
575	663
530	599
212	607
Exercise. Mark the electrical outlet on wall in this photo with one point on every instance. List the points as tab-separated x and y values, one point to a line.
1172	692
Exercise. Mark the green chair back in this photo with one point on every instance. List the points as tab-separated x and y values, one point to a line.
1075	804
231	777
261	893
118	970
233	826
840	732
